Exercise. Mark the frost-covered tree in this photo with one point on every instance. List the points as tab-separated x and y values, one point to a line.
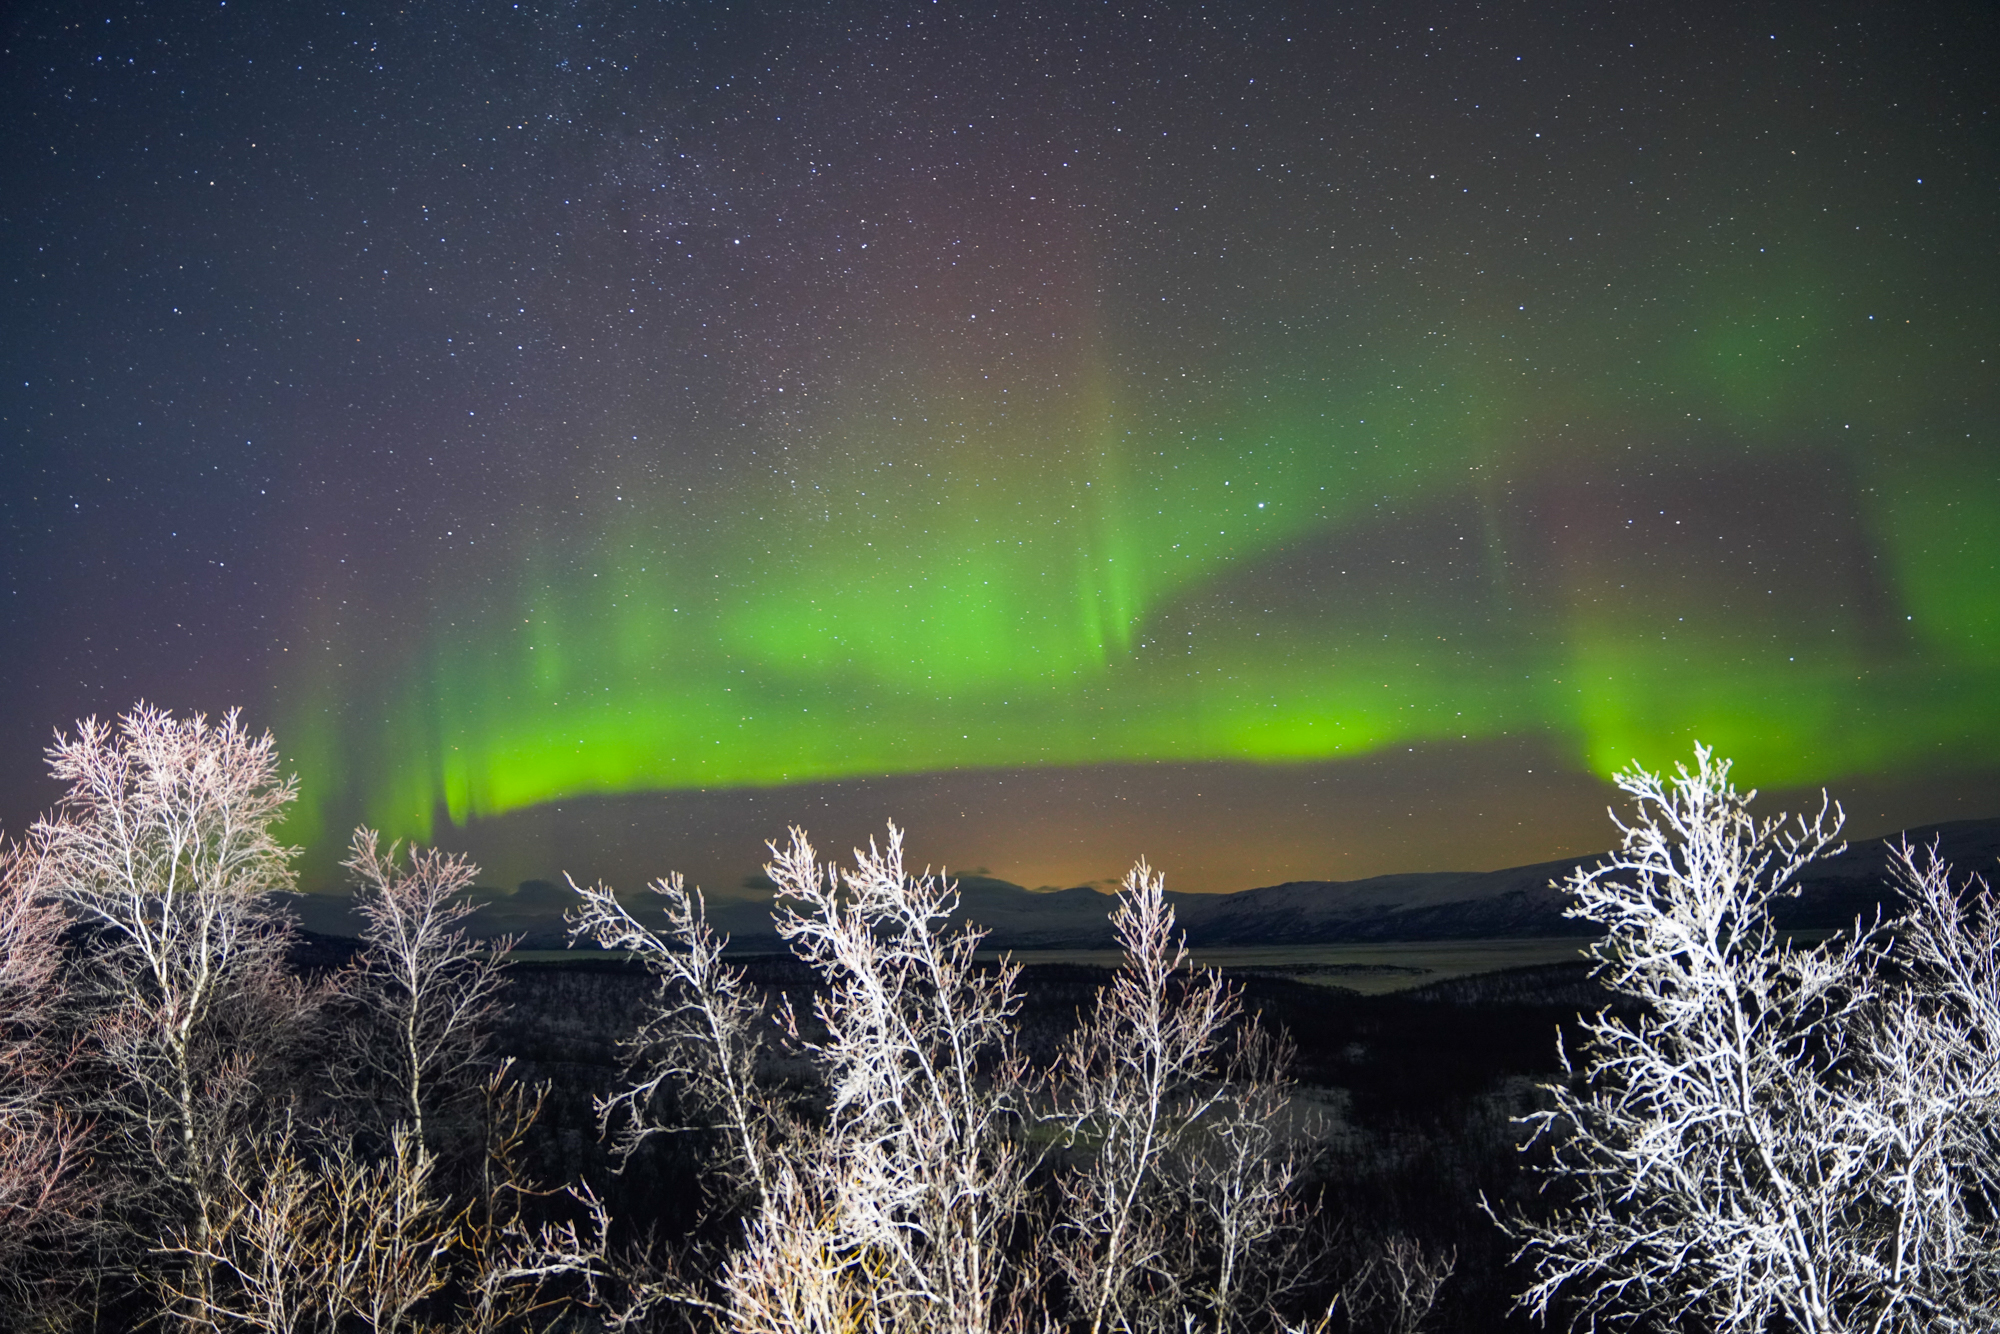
163	853
310	1240
431	992
905	1205
699	1043
1171	1152
45	1197
897	1212
1784	1133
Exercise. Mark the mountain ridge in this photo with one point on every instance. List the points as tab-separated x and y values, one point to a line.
1516	901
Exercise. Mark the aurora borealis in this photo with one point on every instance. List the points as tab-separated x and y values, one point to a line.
560	407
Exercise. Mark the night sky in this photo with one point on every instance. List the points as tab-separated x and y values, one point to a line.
1286	440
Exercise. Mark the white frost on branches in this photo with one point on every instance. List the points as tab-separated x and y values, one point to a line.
162	851
904	1202
1170	1150
920	1175
45	1197
432	988
701	1039
1795	1132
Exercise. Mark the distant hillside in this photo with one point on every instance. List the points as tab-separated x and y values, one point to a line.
1523	900
1439	905
1837	889
1436	905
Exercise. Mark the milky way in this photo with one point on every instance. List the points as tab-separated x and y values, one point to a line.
526	405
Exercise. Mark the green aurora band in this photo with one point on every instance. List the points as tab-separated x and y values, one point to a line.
1741	514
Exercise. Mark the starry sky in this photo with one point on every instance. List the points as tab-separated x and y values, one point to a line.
1287	440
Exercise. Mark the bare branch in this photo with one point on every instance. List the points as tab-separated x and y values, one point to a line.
922	1175
162	851
702	1037
432	989
1786	1132
295	1245
1397	1286
46	1198
1137	1078
908	1208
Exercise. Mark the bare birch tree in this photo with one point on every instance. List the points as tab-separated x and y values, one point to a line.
1397	1286
898	1213
908	1209
1786	1132
302	1242
162	852
700	1041
1182	1200
45	1197
1924	1121
429	986
1137	1077
307	1236
922	1152
1243	1169
526	1276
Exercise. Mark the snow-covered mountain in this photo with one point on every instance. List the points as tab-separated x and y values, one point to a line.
1440	905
